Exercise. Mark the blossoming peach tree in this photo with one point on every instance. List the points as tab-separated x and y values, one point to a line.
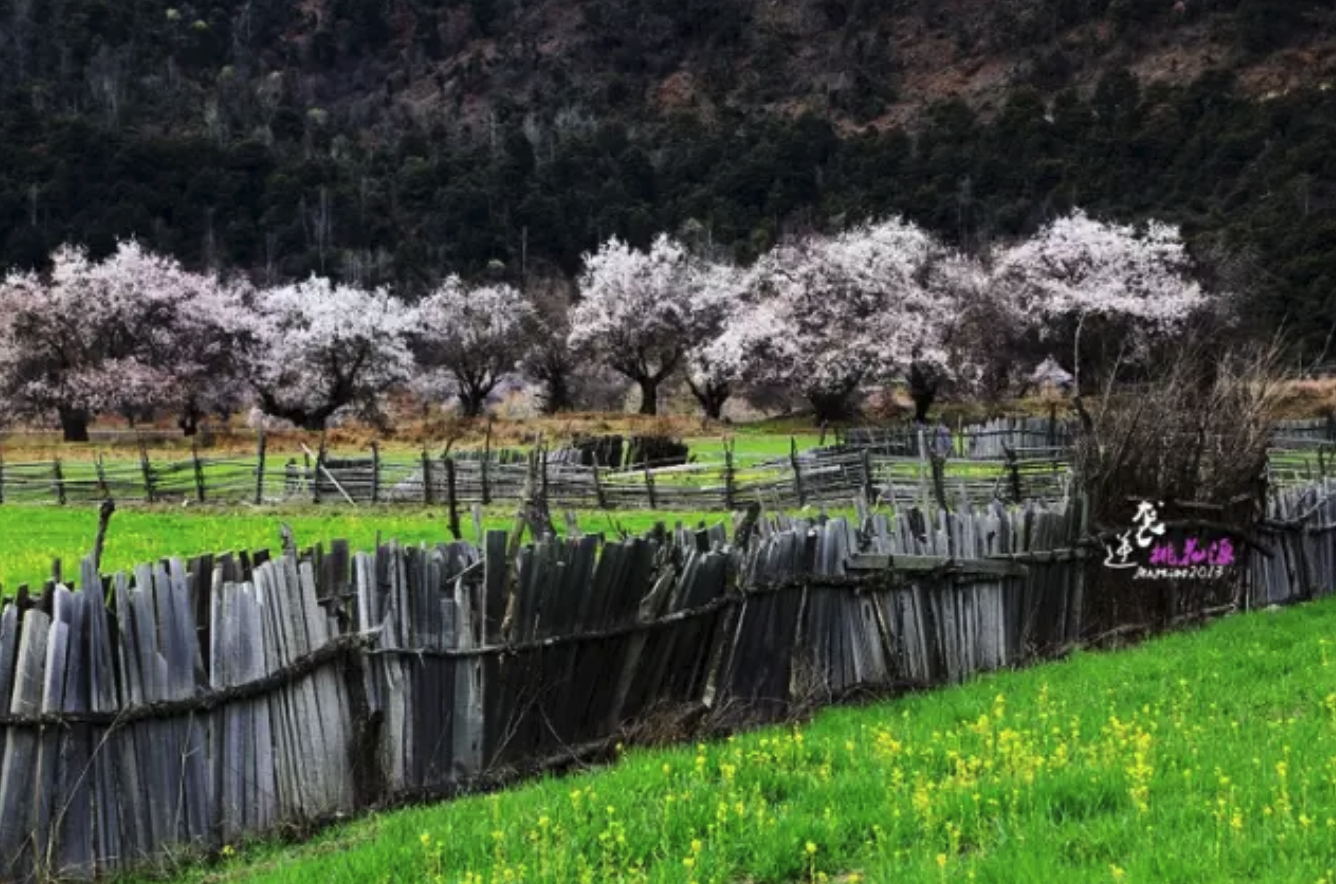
641	312
317	347
827	314
476	335
132	333
1136	283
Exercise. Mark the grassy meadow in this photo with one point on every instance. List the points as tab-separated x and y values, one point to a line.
32	536
1205	756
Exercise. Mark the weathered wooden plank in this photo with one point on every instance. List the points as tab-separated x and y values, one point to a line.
73	809
47	784
20	777
9	647
468	737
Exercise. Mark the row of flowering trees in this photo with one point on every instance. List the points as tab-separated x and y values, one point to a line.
823	315
137	334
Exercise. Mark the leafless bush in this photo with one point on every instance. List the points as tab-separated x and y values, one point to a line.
1194	440
1197	432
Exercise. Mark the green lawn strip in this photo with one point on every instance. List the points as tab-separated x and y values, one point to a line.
1207	756
31	536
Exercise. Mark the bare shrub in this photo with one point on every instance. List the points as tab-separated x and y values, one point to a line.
1194	440
1199	431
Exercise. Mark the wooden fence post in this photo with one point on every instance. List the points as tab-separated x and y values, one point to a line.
797	471
315	476
101	476
60	481
146	468
939	481
730	487
867	476
486	457
199	471
452	501
1014	470
598	489
426	477
375	473
649	486
1052	426
542	464
259	470
2	476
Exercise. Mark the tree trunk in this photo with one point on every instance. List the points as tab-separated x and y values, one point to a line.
923	398
923	390
711	397
471	401
74	424
649	395
189	421
313	421
556	393
833	405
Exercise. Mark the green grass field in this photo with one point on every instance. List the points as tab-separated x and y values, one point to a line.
1207	756
32	536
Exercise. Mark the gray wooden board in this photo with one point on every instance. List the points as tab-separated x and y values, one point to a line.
52	742
468	746
131	779
74	796
19	778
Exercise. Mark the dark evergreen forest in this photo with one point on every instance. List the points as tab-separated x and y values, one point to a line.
215	134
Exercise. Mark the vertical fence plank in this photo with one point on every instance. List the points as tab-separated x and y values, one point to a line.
375	472
451	497
199	471
59	477
259	467
146	470
19	780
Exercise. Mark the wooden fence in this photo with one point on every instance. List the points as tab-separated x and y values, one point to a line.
1022	437
466	478
189	704
1009	459
1035	437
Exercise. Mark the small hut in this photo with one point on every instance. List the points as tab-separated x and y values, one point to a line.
1051	376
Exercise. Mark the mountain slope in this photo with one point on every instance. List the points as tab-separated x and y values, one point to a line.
399	140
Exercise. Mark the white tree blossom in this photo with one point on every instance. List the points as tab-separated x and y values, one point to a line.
321	347
716	293
825	314
132	333
638	312
1078	268
477	335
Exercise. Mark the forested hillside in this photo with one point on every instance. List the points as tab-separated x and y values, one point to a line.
396	140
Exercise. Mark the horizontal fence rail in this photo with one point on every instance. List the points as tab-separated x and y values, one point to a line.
189	704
